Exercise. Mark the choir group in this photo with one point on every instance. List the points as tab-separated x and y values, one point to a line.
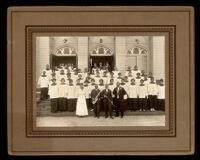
71	90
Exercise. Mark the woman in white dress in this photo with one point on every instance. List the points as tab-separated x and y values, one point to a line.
81	106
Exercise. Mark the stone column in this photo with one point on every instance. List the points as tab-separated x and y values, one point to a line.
120	51
159	57
82	53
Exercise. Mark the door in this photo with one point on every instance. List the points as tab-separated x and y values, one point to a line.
57	60
102	59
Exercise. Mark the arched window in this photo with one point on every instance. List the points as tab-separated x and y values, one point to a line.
101	51
65	50
138	50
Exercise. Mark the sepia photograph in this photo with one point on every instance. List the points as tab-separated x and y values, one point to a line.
100	81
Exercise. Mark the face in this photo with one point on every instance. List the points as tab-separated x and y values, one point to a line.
47	66
141	81
62	80
96	86
44	72
106	86
111	81
118	84
132	81
138	74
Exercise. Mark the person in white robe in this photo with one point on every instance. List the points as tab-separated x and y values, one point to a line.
62	94
43	83
81	106
133	95
152	95
161	95
143	95
71	96
54	94
137	79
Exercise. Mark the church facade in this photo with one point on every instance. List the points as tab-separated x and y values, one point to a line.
147	52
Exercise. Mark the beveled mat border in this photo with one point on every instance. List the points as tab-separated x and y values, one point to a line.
89	131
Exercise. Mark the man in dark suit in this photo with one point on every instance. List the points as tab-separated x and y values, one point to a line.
119	93
95	94
106	95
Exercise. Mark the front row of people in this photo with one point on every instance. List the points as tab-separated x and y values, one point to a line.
62	98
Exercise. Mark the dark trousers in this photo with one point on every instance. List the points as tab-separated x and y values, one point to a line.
54	105
142	104
71	104
96	107
44	94
152	102
161	104
119	107
107	107
62	104
133	105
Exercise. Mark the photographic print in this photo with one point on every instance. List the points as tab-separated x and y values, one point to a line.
100	81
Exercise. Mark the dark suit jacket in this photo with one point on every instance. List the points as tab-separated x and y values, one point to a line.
94	93
122	92
108	94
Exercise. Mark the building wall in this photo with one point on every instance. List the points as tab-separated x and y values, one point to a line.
159	57
42	54
108	41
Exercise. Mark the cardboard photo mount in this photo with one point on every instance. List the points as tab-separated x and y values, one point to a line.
26	23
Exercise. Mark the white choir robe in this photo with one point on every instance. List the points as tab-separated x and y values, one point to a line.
43	82
92	76
71	94
152	89
129	78
101	87
137	81
105	80
57	72
134	73
84	75
161	92
62	90
115	73
133	91
146	83
142	91
74	78
53	91
127	73
119	80
60	77
48	72
97	79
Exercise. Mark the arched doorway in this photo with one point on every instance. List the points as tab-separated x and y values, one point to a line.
103	55
64	55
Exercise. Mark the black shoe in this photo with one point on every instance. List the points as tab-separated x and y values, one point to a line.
111	117
106	116
121	116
